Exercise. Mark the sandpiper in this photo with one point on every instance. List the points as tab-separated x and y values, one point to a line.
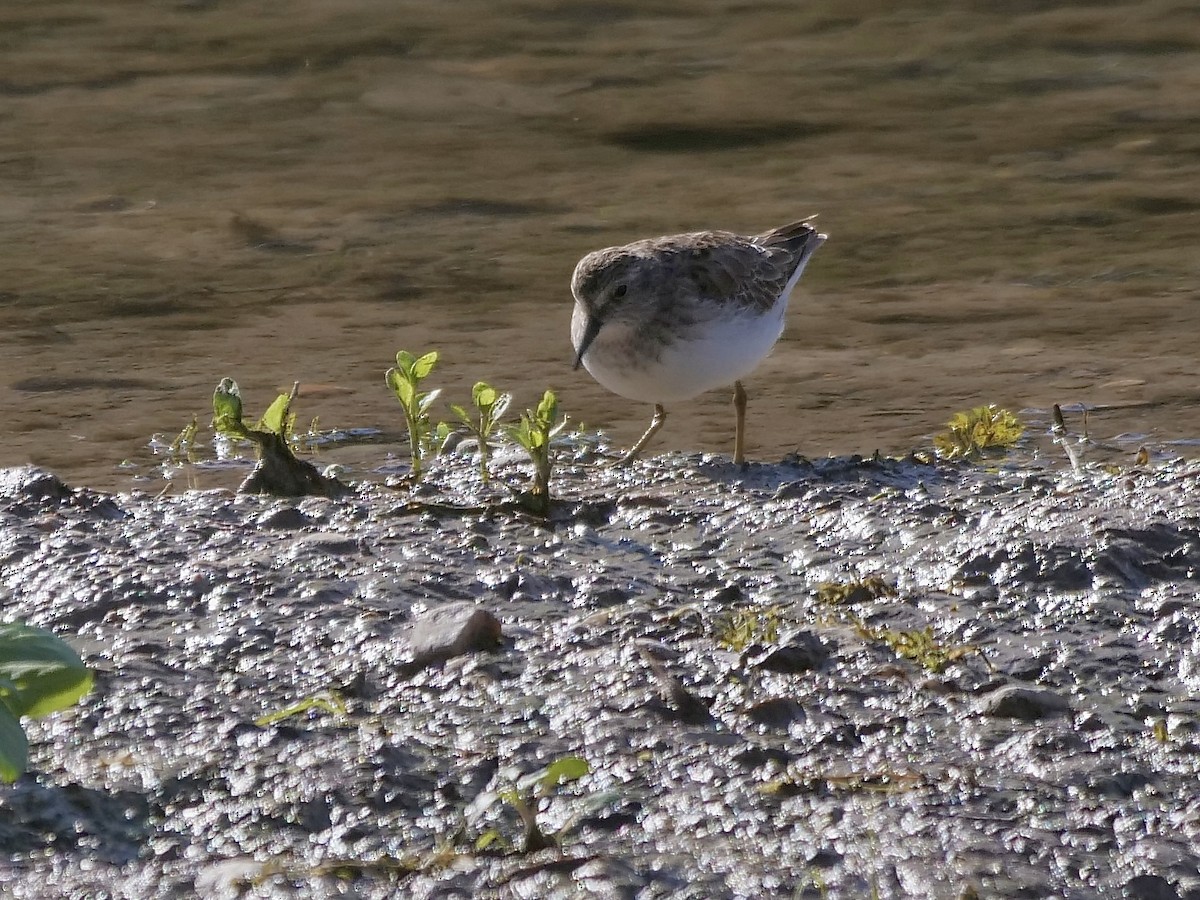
668	318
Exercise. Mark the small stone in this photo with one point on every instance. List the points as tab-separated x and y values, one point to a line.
684	705
609	877
778	712
452	630
1149	887
287	518
798	651
1029	704
329	542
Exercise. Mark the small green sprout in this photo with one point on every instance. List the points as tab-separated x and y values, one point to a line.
982	431
278	420
739	629
534	432
524	799
39	674
181	447
843	593
227	410
490	405
329	703
918	645
278	472
405	380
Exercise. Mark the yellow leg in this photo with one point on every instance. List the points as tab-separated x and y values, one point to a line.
739	431
660	416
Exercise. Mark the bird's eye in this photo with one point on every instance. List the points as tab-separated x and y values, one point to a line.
621	291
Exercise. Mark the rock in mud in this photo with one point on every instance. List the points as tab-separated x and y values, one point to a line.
452	630
797	651
1018	702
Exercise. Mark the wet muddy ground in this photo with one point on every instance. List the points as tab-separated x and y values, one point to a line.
279	192
683	625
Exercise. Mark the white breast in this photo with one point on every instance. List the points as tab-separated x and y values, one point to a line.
718	354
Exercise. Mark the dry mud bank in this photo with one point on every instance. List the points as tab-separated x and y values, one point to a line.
813	761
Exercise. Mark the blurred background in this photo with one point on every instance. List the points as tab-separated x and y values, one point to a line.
292	190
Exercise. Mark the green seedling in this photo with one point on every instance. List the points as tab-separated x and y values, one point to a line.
490	405
277	421
181	447
405	381
278	472
982	431
534	432
739	629
918	645
329	703
524	799
39	674
844	593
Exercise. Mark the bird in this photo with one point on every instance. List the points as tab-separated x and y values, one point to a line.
665	319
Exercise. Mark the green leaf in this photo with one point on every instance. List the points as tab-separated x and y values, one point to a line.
547	410
227	408
329	703
39	673
483	395
512	797
404	390
518	433
275	418
462	414
424	365
564	770
14	747
489	837
405	361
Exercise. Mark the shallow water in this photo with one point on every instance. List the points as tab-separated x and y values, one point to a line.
280	192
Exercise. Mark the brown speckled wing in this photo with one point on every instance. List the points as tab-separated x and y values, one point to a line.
737	271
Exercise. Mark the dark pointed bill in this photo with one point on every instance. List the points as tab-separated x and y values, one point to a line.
589	334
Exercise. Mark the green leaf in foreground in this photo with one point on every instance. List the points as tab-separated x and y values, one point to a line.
14	748
737	629
39	674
